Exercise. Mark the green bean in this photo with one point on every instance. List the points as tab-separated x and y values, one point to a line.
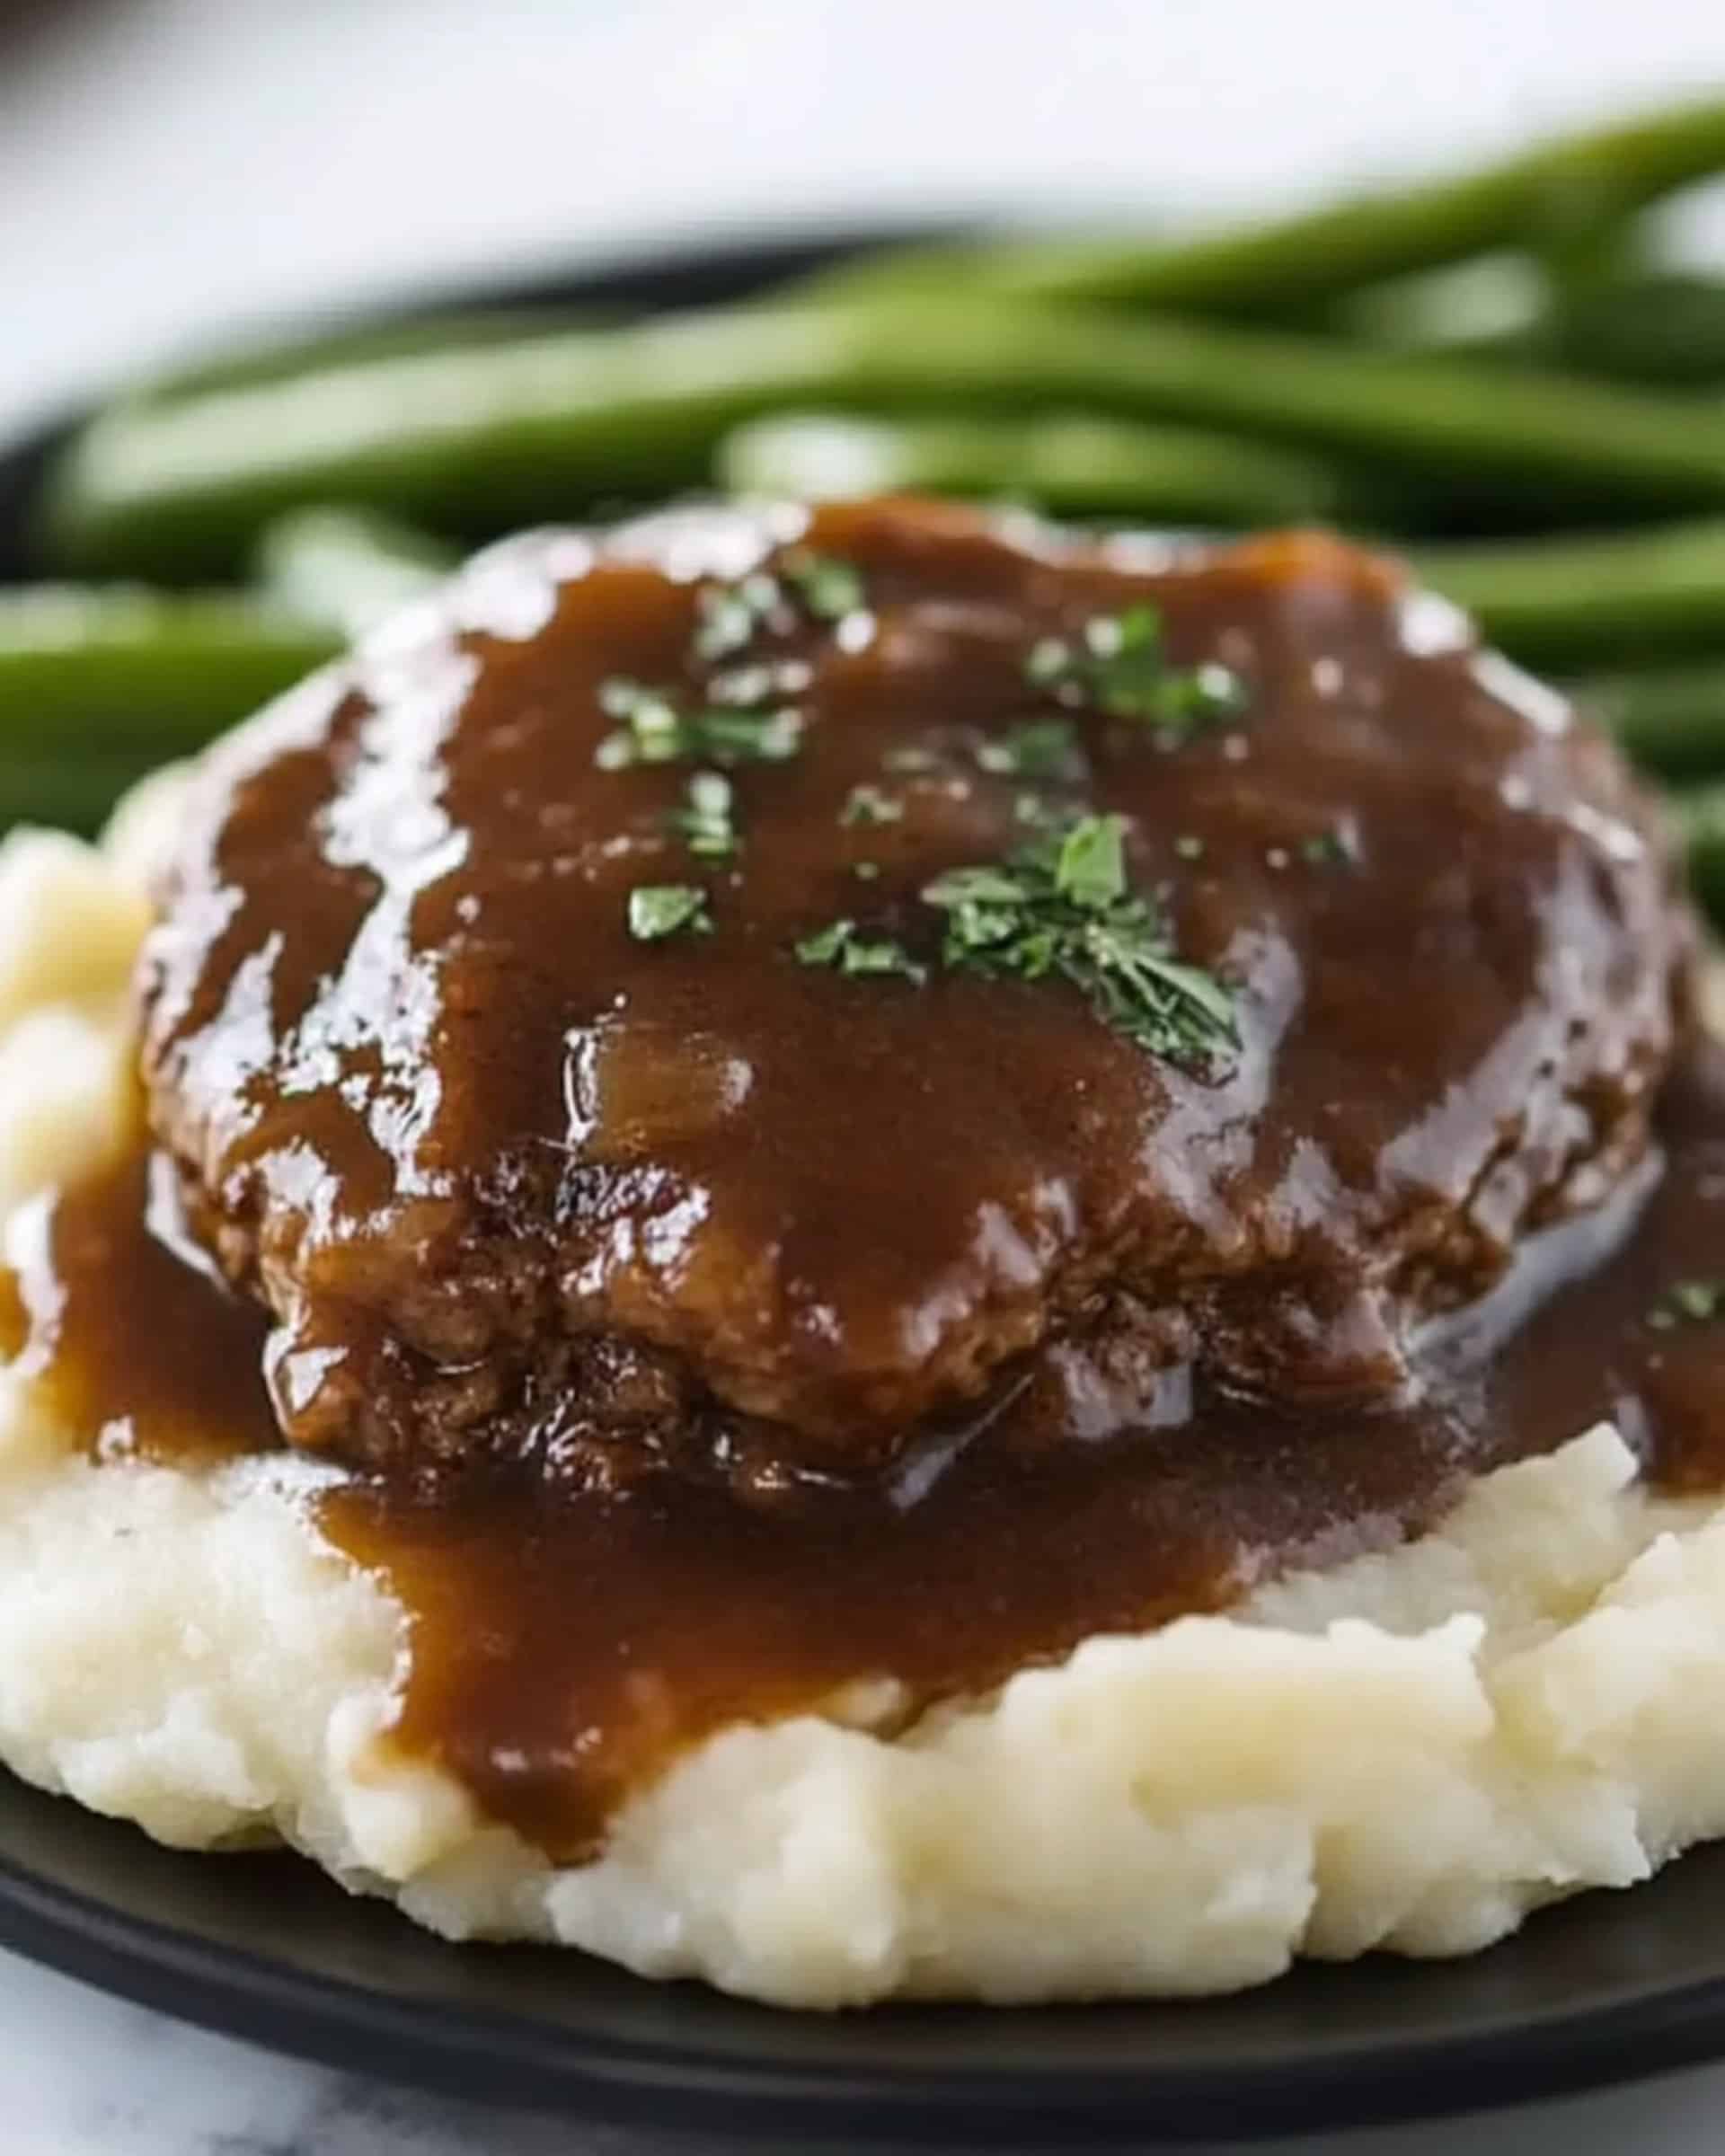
69	792
481	439
348	568
1662	328
1539	198
1671	719
248	361
1492	304
1665	328
1582	601
1069	464
119	672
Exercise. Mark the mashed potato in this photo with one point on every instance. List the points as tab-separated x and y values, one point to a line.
1409	1751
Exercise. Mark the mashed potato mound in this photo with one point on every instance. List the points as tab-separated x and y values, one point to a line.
1410	1750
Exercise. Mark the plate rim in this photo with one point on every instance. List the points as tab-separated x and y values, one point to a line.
342	2023
346	2026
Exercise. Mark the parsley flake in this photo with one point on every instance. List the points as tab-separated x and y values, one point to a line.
869	805
729	616
758	681
704	819
1688	1303
654	730
1089	869
829	588
1038	748
732	737
839	945
658	910
730	613
1063	905
1118	666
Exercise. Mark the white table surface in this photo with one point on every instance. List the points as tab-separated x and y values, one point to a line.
171	165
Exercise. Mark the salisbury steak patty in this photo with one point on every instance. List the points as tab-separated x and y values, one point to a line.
566	1017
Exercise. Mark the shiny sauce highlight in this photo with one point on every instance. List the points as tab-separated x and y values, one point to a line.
567	1645
706	1333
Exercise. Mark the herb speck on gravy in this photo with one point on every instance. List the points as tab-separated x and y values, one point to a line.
1008	1134
658	910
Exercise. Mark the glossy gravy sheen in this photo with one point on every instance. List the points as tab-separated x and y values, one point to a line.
518	1182
705	1331
567	1645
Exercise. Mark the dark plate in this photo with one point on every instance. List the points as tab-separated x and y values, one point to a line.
1607	1987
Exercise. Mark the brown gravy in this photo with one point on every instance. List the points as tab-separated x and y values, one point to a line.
566	1645
131	1342
516	1180
707	1329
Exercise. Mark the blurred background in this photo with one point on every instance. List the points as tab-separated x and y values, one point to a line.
168	165
178	176
175	173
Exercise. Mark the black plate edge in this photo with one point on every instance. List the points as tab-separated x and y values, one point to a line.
352	2028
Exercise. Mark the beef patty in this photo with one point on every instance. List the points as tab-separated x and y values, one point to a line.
776	995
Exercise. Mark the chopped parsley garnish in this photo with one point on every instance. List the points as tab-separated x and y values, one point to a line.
731	612
655	731
1331	849
869	805
704	819
1118	666
730	615
730	737
829	588
1038	748
1063	905
1688	1303
658	910
1089	869
758	681
839	945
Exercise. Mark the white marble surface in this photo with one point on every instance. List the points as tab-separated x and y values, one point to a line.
168	164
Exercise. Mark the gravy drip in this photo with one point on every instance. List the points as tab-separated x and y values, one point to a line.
966	1326
567	1644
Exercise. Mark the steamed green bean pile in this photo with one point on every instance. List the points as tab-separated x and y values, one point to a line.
1497	373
